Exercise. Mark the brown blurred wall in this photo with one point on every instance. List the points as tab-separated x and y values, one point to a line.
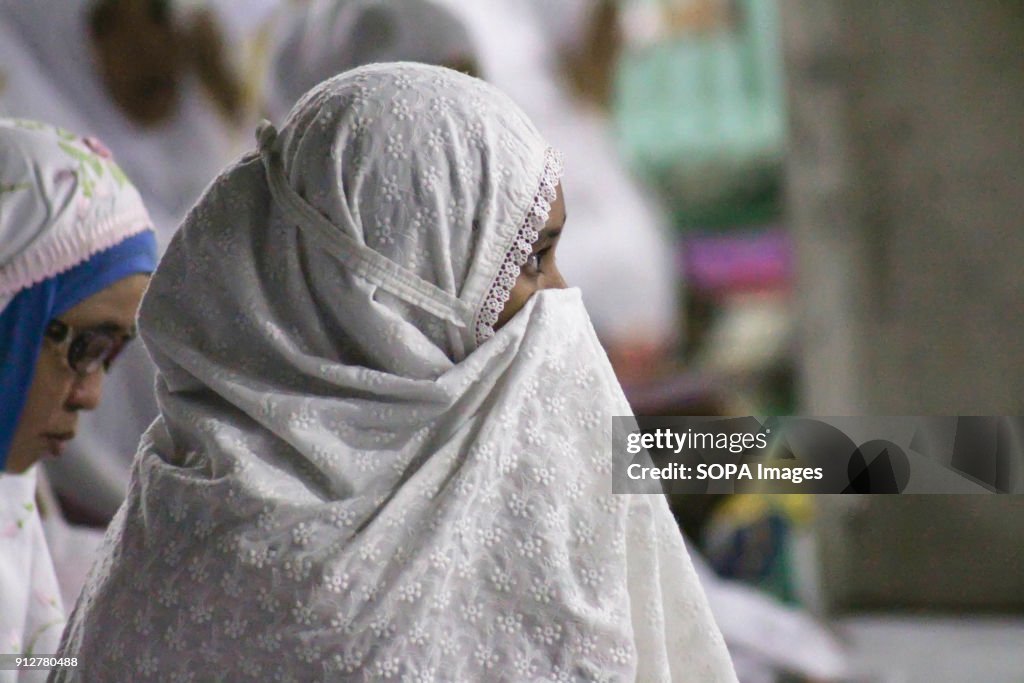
906	198
906	191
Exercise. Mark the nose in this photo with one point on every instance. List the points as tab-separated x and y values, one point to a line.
86	392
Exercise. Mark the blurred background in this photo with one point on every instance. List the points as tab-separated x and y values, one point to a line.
776	207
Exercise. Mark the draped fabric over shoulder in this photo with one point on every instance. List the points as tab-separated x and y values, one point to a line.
354	477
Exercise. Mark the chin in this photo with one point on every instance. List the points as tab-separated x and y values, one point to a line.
19	463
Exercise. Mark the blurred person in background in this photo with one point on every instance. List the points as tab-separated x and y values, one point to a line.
76	248
623	254
148	77
152	79
770	641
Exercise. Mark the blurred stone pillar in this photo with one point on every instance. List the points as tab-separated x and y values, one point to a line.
906	198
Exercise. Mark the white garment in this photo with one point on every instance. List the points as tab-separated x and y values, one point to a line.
73	549
31	612
25	86
344	482
564	22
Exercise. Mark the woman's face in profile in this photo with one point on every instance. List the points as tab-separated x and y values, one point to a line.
50	415
540	270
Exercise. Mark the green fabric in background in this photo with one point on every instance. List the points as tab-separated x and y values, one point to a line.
701	116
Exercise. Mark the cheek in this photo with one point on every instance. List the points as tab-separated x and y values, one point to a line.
46	397
555	280
523	290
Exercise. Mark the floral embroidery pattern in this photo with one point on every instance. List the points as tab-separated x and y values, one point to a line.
374	509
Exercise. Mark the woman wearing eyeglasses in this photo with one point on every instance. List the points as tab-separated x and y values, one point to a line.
76	250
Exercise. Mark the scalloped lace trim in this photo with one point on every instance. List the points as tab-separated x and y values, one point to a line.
522	246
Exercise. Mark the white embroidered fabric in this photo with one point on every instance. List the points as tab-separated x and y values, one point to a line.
343	484
31	611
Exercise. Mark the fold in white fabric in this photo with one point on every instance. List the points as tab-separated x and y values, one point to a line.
345	484
360	260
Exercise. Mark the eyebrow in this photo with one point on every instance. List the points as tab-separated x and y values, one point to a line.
107	326
550	233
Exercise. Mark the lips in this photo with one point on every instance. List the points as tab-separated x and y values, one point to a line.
57	442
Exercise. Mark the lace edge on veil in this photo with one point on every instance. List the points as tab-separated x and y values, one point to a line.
522	246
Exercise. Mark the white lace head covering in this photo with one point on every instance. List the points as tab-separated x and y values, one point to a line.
623	254
438	184
351	479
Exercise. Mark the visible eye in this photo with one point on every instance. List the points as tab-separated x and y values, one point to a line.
534	260
57	331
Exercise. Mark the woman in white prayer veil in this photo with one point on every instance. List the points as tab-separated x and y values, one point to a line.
624	255
355	475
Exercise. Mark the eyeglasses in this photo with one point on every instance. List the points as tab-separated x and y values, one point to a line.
90	349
